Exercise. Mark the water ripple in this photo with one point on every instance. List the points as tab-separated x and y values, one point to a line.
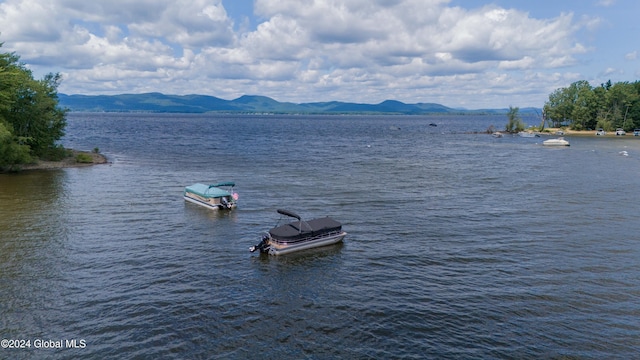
460	245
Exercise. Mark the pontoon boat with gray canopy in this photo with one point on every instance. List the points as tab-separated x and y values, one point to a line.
300	235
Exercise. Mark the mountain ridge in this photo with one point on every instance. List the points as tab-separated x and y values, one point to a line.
194	103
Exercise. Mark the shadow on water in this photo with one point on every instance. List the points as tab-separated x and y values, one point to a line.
32	250
33	205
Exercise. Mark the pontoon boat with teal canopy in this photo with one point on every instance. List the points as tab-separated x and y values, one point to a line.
214	196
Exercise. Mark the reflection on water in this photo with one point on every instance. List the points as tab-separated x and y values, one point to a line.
32	242
459	245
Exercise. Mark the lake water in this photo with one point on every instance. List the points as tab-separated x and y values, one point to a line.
459	245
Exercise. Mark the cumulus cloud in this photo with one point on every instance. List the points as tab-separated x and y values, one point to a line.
303	50
606	3
609	71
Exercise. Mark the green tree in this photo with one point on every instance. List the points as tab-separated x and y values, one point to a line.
582	116
31	120
514	123
565	103
633	117
608	106
559	107
35	114
599	107
11	152
619	99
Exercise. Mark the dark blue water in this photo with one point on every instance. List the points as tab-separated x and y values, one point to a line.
460	245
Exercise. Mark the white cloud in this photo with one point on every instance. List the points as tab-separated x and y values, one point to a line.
606	3
304	50
29	21
190	23
526	62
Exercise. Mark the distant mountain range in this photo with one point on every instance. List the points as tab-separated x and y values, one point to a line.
157	102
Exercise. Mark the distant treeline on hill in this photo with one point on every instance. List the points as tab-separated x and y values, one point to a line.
157	102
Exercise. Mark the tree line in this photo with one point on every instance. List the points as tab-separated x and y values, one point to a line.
581	106
31	121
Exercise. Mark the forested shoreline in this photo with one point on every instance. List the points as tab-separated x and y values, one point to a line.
31	121
581	106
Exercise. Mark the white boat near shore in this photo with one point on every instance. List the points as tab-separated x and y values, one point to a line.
556	142
528	134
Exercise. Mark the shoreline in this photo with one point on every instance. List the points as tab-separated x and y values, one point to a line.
568	132
68	162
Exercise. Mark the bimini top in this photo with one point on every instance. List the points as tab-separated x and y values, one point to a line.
300	230
225	183
209	191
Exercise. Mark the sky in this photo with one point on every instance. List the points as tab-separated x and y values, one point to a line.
470	54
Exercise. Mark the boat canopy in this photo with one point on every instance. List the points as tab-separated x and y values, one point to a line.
299	230
224	183
206	191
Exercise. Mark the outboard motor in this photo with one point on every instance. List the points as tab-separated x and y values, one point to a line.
263	246
225	203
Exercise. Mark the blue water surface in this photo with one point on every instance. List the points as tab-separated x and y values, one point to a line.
460	245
